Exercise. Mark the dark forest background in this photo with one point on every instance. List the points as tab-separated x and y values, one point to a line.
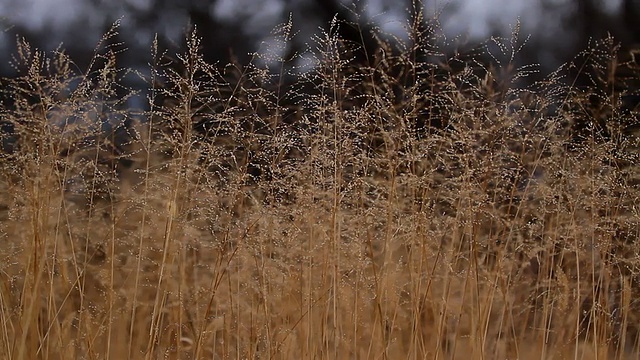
558	29
554	31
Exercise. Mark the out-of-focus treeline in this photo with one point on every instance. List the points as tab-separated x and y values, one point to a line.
233	30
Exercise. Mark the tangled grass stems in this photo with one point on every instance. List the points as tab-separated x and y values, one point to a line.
421	206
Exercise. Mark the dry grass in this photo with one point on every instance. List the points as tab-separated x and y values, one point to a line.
420	208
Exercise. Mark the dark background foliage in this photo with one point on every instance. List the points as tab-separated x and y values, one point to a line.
552	32
235	29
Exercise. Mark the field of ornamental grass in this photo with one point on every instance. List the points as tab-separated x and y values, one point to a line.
424	207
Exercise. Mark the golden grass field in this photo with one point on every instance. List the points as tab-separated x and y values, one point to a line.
232	226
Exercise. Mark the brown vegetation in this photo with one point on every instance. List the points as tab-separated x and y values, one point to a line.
418	208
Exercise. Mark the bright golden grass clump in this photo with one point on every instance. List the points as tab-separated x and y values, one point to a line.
420	208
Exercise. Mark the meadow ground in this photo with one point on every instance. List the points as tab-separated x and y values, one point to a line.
423	208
